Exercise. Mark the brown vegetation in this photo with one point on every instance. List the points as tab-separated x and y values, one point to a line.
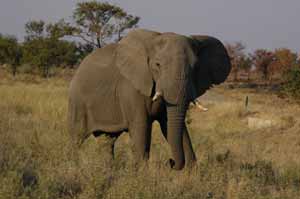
261	66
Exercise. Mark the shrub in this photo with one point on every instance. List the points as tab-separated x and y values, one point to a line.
10	52
292	82
26	69
46	53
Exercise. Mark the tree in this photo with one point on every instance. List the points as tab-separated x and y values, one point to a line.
10	52
39	29
245	63
93	22
96	23
34	29
37	54
59	29
285	59
83	50
45	48
237	57
124	23
262	60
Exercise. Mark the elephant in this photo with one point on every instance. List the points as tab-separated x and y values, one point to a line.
147	76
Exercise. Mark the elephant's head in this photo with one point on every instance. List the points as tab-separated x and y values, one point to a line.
177	67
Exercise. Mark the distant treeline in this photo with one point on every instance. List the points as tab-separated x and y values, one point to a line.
65	43
280	66
94	24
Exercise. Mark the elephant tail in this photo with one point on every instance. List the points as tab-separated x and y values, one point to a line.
77	122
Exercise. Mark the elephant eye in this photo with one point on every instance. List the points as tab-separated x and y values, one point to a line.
157	64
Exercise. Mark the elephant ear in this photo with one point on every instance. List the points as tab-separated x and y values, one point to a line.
132	59
212	65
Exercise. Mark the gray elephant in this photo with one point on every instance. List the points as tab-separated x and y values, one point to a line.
146	77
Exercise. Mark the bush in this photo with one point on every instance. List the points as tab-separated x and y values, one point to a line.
26	69
46	53
10	52
292	82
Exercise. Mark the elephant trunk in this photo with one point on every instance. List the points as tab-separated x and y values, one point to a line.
176	94
176	119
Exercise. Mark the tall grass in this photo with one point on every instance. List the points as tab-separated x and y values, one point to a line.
234	161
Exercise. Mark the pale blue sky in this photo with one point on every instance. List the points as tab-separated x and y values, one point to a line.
257	23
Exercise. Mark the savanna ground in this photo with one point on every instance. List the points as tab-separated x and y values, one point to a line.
235	160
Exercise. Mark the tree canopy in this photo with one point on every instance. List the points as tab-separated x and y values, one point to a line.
262	60
97	23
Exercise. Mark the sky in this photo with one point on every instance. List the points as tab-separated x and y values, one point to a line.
266	24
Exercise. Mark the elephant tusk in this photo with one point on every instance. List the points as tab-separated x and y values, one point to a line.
202	108
156	96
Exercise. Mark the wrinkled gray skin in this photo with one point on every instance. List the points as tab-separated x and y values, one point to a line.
146	77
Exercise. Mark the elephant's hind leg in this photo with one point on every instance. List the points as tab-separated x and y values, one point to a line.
77	122
107	145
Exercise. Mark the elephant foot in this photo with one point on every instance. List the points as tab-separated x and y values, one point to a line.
171	163
191	165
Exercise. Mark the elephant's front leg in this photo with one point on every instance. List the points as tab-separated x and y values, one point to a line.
189	155
140	135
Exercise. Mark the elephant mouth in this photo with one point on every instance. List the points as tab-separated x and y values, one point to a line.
173	92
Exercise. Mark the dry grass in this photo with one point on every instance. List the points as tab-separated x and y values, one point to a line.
234	161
